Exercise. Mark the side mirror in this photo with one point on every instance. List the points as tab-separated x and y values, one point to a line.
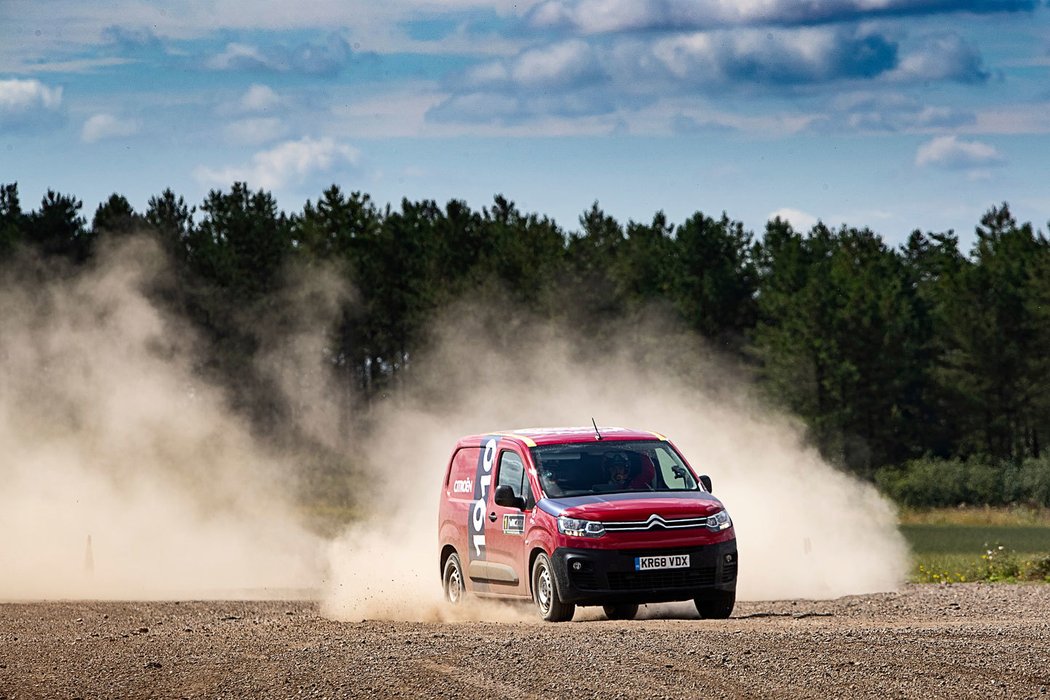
706	481
505	497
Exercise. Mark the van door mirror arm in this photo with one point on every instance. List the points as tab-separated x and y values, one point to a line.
505	497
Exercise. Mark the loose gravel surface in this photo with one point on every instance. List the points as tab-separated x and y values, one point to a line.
964	640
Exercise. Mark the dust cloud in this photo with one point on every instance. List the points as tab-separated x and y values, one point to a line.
122	473
805	530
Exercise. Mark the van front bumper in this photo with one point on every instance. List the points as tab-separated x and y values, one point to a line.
608	576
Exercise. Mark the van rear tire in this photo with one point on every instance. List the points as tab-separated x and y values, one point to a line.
545	592
452	580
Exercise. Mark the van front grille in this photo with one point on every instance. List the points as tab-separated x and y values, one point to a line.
656	522
661	579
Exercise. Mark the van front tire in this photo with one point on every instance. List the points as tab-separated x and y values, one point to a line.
545	592
717	605
452	580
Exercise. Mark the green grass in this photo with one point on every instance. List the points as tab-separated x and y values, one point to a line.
955	545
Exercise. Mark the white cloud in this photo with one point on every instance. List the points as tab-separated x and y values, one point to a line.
560	64
21	96
487	74
255	131
685	114
201	17
551	14
868	111
799	220
775	57
951	152
574	78
258	101
326	57
945	56
599	16
237	56
291	161
107	126
1016	118
76	27
259	98
593	16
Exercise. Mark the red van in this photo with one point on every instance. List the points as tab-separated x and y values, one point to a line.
574	516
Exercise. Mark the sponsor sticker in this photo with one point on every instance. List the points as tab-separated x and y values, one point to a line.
514	524
666	561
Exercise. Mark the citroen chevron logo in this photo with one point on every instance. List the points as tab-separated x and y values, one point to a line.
655	521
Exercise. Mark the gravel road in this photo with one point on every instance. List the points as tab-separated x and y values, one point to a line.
964	640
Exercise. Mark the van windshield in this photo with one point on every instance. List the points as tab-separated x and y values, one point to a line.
611	467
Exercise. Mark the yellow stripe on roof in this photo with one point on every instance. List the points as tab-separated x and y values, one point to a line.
659	436
529	442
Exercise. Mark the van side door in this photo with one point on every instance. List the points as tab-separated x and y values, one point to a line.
505	526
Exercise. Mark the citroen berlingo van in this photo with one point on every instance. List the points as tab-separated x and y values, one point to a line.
572	517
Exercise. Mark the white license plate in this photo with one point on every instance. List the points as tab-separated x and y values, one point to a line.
666	561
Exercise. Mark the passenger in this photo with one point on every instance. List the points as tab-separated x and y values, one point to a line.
643	480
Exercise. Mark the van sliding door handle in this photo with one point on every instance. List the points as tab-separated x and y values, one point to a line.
492	516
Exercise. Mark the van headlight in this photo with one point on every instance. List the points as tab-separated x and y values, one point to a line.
575	527
719	521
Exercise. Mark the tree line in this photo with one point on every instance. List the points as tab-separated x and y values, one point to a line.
889	354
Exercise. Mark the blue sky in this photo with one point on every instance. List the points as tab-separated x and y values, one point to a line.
892	114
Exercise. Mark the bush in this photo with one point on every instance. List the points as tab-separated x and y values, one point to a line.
1036	569
984	484
922	483
996	564
1027	483
1034	478
934	483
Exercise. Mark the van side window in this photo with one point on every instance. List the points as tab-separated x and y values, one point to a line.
512	474
462	472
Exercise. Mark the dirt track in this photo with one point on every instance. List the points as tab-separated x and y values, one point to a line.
927	641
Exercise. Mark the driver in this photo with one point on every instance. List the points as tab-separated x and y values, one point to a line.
617	469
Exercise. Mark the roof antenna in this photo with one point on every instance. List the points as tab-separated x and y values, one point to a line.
597	435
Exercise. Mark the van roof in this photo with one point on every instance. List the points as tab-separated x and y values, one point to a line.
533	437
